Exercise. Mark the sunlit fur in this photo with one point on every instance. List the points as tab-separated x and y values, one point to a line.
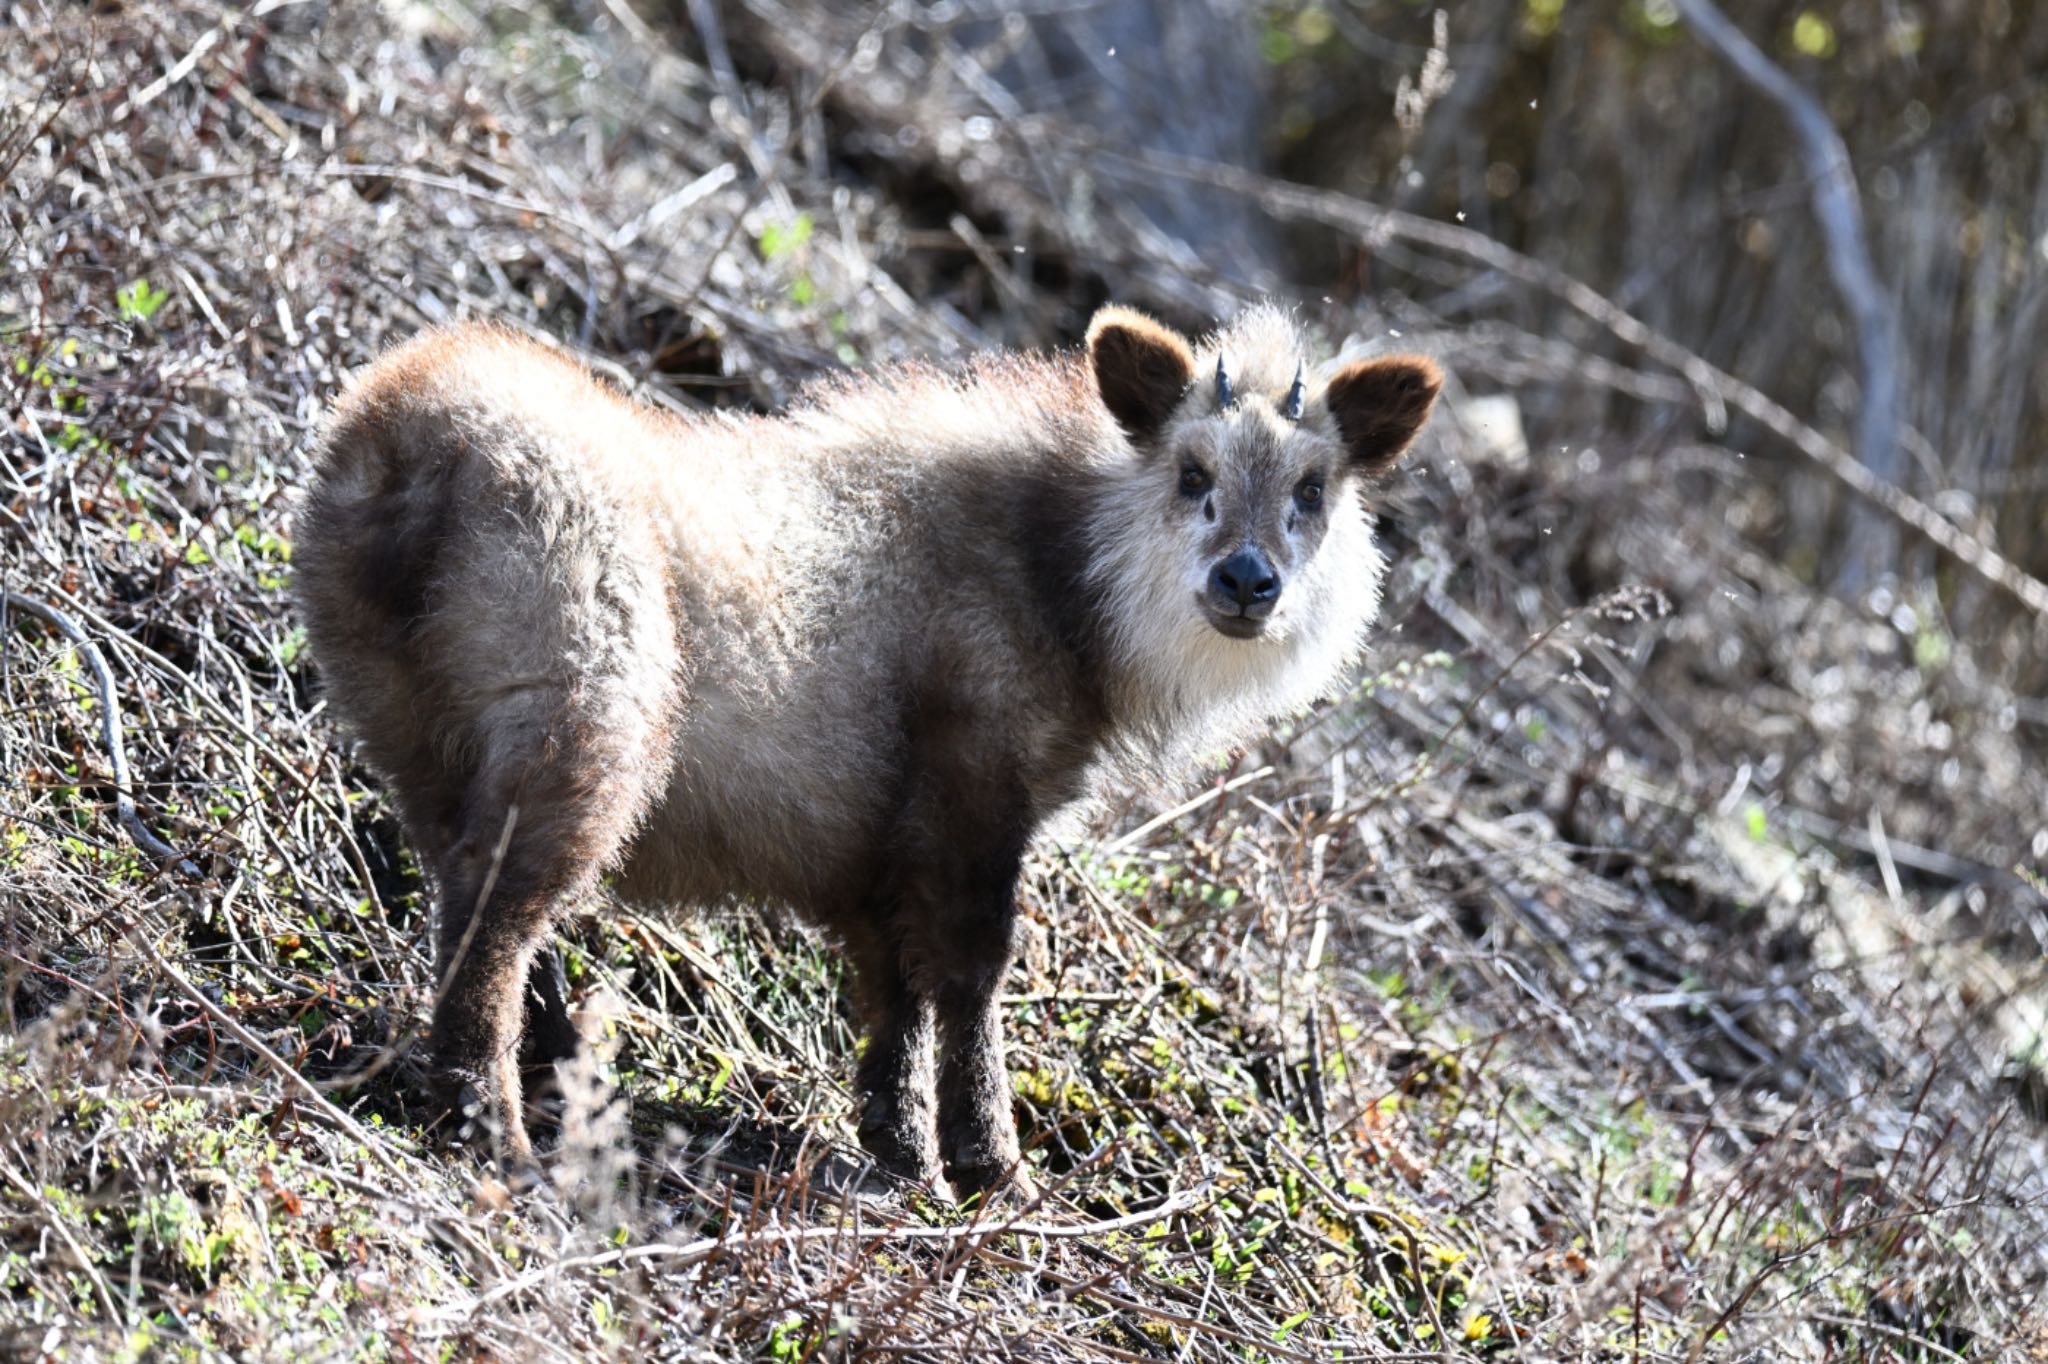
850	659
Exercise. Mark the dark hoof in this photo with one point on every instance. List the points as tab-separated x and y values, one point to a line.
902	1150
470	1119
903	1169
462	1108
989	1182
896	1169
523	1174
467	1115
892	1184
541	1088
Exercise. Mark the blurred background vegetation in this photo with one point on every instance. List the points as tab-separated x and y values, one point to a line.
1609	141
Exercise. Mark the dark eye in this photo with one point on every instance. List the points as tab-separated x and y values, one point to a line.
1193	481
1309	494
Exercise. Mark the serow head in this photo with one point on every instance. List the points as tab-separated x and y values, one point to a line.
1246	465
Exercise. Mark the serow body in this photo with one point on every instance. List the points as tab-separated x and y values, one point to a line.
848	659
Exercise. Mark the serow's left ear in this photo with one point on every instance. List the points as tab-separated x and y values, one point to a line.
1380	405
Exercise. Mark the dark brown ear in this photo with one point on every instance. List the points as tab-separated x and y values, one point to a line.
1380	405
1141	367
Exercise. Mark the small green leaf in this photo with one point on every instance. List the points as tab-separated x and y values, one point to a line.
778	240
138	301
1931	651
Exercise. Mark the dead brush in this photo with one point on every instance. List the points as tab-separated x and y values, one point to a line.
1613	1033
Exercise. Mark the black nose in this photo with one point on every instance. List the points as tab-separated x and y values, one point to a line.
1247	581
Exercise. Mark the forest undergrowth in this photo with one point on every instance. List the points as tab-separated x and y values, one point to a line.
1642	959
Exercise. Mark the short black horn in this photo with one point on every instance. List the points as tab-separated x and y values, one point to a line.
1224	397
1297	395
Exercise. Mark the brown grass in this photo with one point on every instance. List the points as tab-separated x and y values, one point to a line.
1642	961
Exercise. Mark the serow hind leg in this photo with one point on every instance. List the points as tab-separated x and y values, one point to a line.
549	1037
552	802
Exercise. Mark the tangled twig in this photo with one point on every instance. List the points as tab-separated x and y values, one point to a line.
125	810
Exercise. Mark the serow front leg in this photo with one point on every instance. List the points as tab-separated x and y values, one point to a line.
895	1079
977	1116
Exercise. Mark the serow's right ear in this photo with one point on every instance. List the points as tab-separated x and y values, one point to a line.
1142	369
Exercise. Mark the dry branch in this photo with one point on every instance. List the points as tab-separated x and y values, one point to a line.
1616	971
125	811
1839	211
974	1235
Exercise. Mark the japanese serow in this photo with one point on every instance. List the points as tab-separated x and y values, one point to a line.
848	659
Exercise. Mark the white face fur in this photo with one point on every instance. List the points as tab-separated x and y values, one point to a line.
1235	555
